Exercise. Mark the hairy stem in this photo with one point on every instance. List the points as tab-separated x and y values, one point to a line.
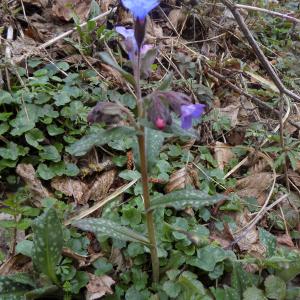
145	179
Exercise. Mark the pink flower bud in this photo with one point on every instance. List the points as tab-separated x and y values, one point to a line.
160	123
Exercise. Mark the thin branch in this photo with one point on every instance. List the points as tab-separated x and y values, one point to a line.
65	34
260	55
270	12
257	101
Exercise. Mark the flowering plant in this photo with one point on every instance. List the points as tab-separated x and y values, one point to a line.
159	107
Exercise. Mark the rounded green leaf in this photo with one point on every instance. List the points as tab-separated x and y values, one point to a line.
275	288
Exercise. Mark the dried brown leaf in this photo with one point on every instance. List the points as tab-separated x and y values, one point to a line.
247	239
106	4
223	154
285	239
295	177
255	185
70	187
38	191
260	181
176	17
99	286
153	30
258	167
181	178
100	186
65	9
231	112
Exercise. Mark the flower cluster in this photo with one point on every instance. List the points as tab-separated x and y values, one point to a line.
162	103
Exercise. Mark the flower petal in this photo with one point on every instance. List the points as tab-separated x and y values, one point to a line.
127	33
190	112
140	8
186	122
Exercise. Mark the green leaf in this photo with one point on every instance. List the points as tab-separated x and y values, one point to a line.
130	175
227	293
182	198
110	228
268	240
275	288
61	98
109	60
47	243
192	287
53	130
253	293
166	82
50	153
240	279
45	172
41	293
82	146
172	289
5	97
13	151
207	258
4	127
290	271
4	116
25	120
25	247
154	141
11	289
139	278
33	137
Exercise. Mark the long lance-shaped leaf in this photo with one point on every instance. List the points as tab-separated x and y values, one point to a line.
47	243
109	60
183	198
86	143
110	228
12	290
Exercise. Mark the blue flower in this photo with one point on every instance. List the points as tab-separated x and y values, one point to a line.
140	8
190	112
130	42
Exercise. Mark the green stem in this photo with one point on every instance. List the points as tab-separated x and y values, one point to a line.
144	173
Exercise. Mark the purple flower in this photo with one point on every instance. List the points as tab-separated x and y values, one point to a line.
190	112
130	42
159	114
140	8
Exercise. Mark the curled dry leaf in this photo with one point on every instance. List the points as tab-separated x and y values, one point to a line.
255	185
153	30
38	191
285	239
231	112
295	177
119	260
246	239
70	187
106	4
176	17
181	178
100	186
223	154
258	167
99	286
65	9
112	75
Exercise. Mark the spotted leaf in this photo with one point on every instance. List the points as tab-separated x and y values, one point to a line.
47	243
184	198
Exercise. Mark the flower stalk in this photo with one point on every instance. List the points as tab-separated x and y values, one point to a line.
144	176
